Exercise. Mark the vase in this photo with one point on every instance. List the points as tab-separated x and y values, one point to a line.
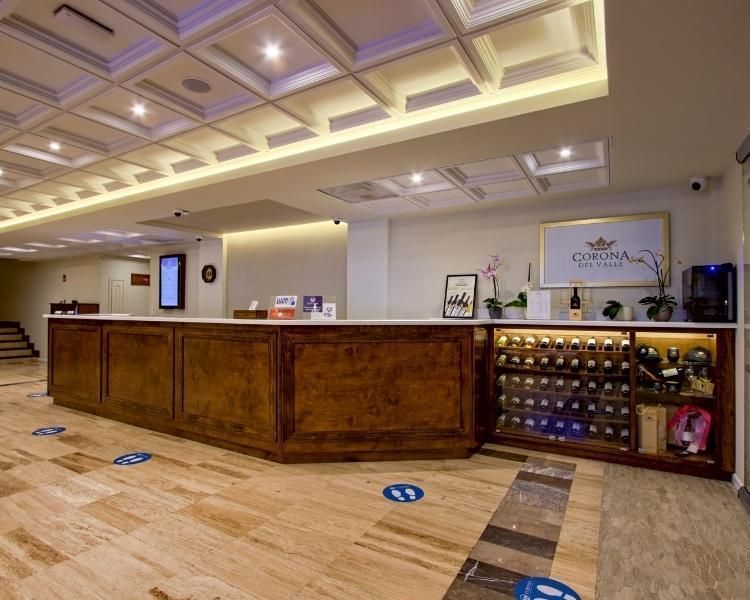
625	314
514	312
496	313
663	314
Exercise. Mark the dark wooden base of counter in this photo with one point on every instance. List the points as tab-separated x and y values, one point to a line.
286	393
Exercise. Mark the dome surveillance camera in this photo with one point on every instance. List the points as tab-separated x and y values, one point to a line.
336	221
698	184
177	213
198	238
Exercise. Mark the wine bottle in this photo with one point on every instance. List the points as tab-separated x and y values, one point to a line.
515	381
515	360
560	343
608	388
593	431
575	364
559	427
501	360
575	343
576	429
625	390
501	400
591	409
560	363
515	402
457	305
515	341
515	422
591	344
528	362
625	412
449	305
609	433
500	381
544	404
625	345
502	340
575	387
625	368
625	435
559	384
609	367
544	343
591	366
609	345
575	406
528	383
528	404
559	406
500	423
544	425
544	383
592	387
528	424
544	362
575	300
529	342
609	410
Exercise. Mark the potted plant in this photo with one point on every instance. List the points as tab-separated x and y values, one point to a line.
612	309
660	306
516	308
494	272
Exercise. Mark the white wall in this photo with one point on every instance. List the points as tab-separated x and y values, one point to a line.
299	260
135	297
423	251
367	270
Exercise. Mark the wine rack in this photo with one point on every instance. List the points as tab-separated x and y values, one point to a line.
587	393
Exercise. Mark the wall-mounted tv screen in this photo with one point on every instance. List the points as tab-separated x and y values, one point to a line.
172	281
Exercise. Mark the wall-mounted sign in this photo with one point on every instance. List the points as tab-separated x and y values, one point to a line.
172	281
312	303
598	251
208	273
140	279
460	291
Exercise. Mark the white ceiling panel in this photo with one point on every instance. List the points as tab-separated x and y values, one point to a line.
266	127
84	133
210	146
503	190
573	180
22	112
42	148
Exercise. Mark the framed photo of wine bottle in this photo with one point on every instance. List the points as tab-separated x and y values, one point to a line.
460	296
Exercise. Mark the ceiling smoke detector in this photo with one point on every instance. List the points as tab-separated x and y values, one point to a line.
195	85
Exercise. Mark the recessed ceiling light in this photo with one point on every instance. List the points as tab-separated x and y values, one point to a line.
139	256
138	109
43	245
73	240
195	85
416	177
1	171
272	51
14	249
54	146
565	152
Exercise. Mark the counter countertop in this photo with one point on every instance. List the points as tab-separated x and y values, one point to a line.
497	322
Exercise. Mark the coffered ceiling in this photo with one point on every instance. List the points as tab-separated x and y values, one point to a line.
104	99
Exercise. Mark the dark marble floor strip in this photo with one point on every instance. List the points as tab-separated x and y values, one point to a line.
542	487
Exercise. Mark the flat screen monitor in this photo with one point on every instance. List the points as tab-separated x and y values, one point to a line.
172	281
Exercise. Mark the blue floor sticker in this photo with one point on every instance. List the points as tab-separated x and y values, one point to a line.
403	492
48	431
133	458
543	588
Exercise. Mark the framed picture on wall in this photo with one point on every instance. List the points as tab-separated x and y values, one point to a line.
460	293
598	251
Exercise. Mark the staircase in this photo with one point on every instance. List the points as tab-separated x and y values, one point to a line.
14	343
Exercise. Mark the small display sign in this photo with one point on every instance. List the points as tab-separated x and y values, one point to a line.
133	458
328	312
48	431
285	302
403	492
543	588
140	279
312	303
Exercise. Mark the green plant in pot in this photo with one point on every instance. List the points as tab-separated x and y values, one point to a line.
494	272
612	309
660	306
518	304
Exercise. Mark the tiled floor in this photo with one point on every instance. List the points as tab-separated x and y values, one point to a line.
197	522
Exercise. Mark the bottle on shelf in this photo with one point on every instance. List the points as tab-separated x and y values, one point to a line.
609	367
591	344
593	431
544	404
608	389
609	411
560	343
576	429
559	427
515	401
608	345
575	300
575	364
559	384
544	425
591	387
502	340
501	360
515	341
544	342
528	362
515	360
625	345
609	433
591	409
591	365
575	343
529	342
501	400
528	383
560	363
559	406
500	381
625	368
575	406
625	435
515	381
544	383
575	386
625	390
515	422
528	424
544	362
625	411
528	404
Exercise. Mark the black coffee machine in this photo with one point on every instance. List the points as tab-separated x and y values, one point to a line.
709	293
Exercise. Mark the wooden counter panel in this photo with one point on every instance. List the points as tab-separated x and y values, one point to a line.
377	389
74	365
138	370
226	382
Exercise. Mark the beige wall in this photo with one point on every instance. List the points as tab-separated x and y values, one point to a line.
423	251
301	260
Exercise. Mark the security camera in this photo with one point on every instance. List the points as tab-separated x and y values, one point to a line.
698	184
198	238
336	221
178	212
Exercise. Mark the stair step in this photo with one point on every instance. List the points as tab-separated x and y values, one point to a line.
4	330
25	352
14	345
9	324
10	337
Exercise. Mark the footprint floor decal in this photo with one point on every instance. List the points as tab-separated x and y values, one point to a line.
543	588
403	492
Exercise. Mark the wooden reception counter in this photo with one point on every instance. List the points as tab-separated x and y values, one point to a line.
289	391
